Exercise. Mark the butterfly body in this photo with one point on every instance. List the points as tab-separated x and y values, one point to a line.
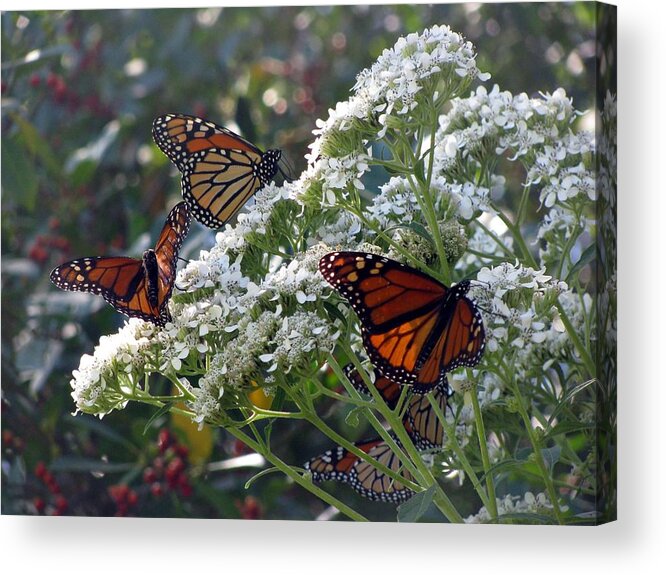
135	287
151	269
220	169
414	328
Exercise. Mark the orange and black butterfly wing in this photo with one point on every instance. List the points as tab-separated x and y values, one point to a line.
136	288
117	279
389	390
457	340
168	245
421	421
414	328
398	307
180	136
341	465
221	170
217	183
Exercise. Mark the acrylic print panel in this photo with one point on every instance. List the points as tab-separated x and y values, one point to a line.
396	300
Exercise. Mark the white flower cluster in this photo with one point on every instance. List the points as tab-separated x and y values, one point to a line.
299	278
516	123
557	227
343	231
509	504
517	319
97	386
297	337
395	204
338	158
400	73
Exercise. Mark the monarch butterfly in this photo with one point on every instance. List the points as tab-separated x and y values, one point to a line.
414	328
220	170
135	287
420	420
342	465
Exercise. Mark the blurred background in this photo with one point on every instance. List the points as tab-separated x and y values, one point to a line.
81	176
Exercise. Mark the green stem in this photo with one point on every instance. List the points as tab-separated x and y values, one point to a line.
536	447
372	418
496	239
424	476
450	432
158	403
522	207
311	417
295	475
485	457
578	344
527	258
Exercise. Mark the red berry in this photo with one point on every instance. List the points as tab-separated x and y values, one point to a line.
39	504
249	508
61	504
53	487
239	448
156	489
182	450
38	254
158	465
164	439
51	80
60	92
185	489
7	437
35	80
149	475
132	498
118	493
40	470
173	471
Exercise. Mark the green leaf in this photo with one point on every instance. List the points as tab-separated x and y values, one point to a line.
569	395
569	427
413	509
252	479
421	230
334	312
37	145
353	416
19	180
551	456
278	402
586	257
96	426
419	171
166	408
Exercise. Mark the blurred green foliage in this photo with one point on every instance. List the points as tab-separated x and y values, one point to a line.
80	176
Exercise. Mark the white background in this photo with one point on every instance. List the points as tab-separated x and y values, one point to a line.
634	544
